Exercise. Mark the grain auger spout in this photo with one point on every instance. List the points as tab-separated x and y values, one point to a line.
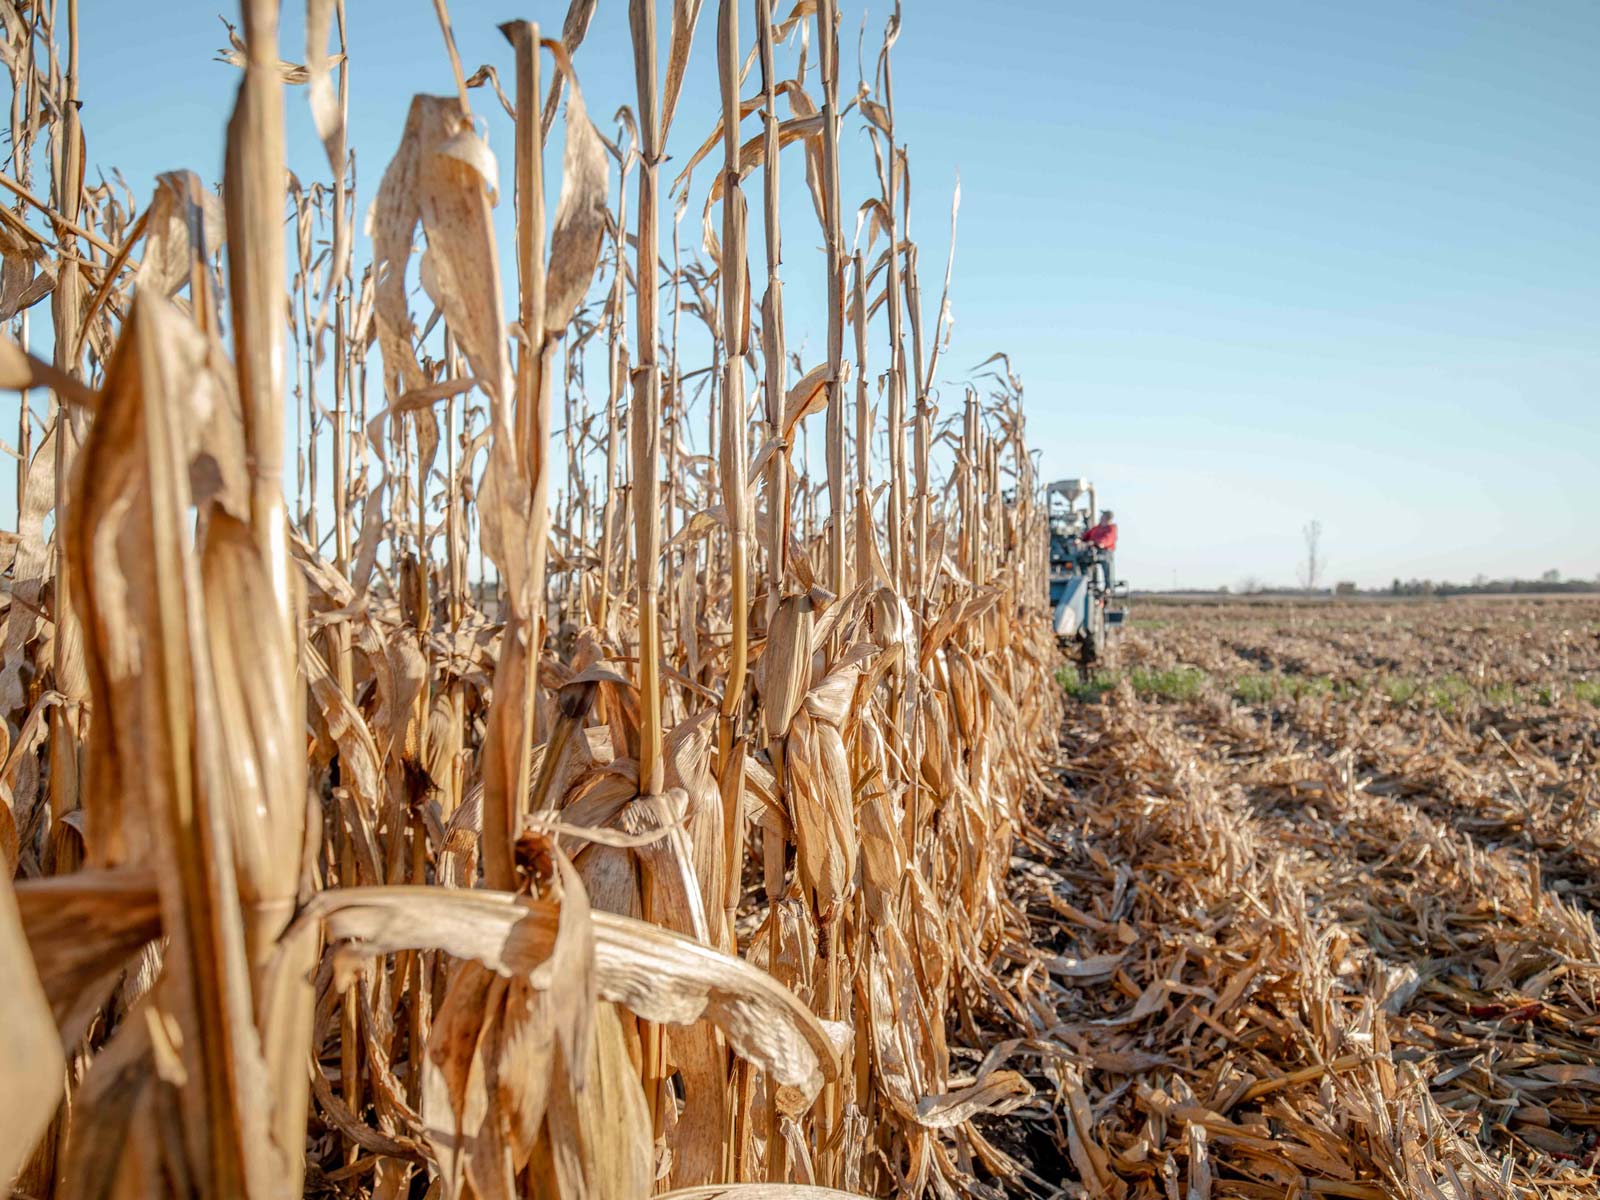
1087	597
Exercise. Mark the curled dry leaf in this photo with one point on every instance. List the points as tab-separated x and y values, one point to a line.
82	929
581	214
995	1094
660	976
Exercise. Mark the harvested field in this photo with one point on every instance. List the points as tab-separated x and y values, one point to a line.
1320	889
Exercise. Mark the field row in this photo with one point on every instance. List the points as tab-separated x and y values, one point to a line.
1319	898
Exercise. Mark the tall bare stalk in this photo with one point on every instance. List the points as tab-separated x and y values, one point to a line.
535	355
66	305
735	288
645	414
833	239
772	343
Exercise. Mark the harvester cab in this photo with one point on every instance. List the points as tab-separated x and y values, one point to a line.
1088	600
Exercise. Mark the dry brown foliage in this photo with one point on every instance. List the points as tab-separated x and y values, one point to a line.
654	859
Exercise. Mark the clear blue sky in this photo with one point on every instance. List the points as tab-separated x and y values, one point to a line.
1258	262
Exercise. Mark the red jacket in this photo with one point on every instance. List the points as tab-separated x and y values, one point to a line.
1103	535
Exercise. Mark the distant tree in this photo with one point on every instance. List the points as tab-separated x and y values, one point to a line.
1550	576
1311	568
1394	587
1344	588
1480	580
1249	585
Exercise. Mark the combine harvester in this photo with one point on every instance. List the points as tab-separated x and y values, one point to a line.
1088	599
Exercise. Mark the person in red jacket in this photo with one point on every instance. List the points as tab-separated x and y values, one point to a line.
1104	537
1104	534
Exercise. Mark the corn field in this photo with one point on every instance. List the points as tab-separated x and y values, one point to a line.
426	773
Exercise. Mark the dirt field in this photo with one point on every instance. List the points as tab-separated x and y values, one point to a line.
1320	888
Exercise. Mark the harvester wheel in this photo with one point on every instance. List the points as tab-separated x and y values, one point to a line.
1089	648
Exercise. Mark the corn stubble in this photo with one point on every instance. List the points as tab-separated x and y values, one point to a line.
654	859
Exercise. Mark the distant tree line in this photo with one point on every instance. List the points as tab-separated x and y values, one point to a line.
1550	581
1481	585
